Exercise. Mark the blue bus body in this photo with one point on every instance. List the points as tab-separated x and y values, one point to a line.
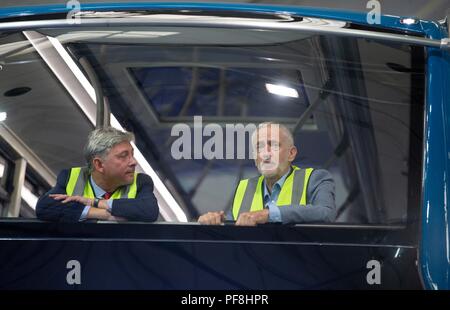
34	254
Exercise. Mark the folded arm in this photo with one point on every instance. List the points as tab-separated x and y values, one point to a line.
143	208
50	209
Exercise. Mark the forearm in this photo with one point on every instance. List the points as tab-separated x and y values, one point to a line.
99	214
140	209
49	209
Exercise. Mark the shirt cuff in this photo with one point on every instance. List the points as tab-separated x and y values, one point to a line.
109	202
84	214
274	213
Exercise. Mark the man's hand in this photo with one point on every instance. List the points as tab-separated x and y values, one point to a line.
253	218
99	213
102	214
103	204
212	218
116	218
66	198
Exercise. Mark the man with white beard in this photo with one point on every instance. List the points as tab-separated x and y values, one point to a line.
283	192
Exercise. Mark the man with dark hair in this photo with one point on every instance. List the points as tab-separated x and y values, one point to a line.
107	189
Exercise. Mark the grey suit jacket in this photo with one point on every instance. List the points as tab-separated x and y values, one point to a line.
320	203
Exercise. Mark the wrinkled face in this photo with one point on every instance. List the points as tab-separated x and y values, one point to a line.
119	164
274	152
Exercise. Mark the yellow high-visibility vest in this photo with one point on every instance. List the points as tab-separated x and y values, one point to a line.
79	185
249	193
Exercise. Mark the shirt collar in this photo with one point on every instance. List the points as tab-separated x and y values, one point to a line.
278	184
98	191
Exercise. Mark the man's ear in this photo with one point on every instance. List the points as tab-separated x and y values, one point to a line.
98	164
292	154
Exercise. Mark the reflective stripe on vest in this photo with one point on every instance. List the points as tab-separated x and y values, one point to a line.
249	193
79	185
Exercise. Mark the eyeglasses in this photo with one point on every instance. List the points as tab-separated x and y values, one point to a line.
273	145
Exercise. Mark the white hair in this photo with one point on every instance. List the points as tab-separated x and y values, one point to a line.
288	134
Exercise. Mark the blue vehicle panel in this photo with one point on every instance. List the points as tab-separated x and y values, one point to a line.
160	256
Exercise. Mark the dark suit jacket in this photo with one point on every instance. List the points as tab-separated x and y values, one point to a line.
143	208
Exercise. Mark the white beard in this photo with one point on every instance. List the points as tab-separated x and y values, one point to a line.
268	170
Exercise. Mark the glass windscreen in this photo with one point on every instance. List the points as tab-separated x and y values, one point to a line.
354	108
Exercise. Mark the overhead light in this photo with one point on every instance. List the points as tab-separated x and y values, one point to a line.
281	90
3	116
269	59
408	21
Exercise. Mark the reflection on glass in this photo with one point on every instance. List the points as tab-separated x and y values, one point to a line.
354	107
